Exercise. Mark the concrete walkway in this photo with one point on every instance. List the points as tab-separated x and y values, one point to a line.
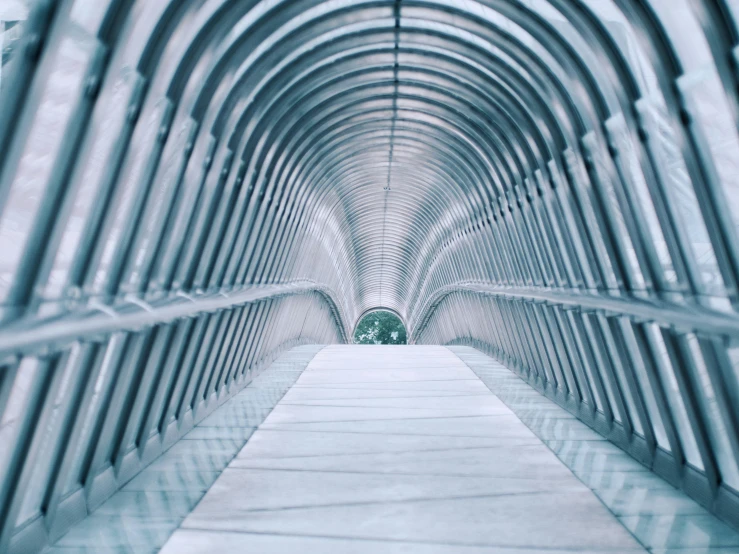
397	449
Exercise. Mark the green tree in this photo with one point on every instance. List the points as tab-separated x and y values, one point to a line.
380	327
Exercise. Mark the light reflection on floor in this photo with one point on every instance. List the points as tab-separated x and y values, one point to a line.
141	517
661	517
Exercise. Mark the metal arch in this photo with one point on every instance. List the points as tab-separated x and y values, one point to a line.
433	53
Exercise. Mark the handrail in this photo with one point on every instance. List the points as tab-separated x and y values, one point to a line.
684	317
102	319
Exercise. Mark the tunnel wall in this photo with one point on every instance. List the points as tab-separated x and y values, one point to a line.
82	417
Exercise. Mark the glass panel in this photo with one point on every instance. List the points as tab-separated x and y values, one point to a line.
705	97
142	145
732	7
628	398
708	105
60	93
672	168
674	398
12	15
636	188
51	434
92	412
720	440
17	403
650	215
602	367
590	221
611	199
19	393
655	417
733	353
623	34
582	351
88	14
105	128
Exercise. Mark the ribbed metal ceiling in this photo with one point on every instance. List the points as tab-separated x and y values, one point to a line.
370	136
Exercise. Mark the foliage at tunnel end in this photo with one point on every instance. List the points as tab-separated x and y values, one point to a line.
380	327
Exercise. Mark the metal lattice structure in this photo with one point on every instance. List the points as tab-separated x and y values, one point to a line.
188	188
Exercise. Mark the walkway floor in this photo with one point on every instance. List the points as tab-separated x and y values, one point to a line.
419	450
397	449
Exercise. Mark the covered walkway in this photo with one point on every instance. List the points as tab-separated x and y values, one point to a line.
197	196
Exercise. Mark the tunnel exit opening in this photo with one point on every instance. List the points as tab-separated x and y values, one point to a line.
380	327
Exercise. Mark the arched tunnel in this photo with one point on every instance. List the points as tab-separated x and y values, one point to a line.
192	191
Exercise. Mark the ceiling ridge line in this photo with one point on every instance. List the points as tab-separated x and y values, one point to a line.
393	120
